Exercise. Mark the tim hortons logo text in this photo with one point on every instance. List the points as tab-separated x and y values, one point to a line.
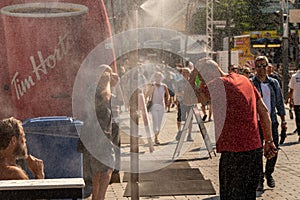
41	65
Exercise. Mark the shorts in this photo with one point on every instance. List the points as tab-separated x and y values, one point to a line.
92	166
183	111
171	92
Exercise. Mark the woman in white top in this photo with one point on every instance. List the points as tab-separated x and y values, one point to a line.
159	94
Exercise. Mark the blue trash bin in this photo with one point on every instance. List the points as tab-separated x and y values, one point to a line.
54	140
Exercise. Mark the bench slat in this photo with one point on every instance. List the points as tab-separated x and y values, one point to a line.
42	184
42	188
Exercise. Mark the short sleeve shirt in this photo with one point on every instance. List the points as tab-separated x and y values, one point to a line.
295	85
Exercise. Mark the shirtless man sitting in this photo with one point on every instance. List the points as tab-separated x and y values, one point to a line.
13	147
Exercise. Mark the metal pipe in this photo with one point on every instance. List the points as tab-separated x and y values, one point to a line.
134	123
134	146
297	39
229	31
285	47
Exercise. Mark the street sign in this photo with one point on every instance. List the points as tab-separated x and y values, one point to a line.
220	26
219	22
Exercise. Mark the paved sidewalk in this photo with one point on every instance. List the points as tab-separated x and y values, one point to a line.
286	175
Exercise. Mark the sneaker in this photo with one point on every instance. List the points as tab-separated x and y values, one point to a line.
282	139
295	131
270	181
260	186
189	139
282	136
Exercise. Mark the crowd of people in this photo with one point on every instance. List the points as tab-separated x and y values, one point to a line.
245	105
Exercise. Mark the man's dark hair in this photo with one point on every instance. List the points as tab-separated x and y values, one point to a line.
9	127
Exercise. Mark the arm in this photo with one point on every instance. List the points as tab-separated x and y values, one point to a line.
36	166
150	89
119	93
104	87
291	91
167	95
269	147
290	98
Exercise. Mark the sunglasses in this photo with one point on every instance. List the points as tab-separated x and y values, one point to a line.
261	65
247	72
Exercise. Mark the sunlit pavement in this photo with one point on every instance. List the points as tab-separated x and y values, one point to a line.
286	175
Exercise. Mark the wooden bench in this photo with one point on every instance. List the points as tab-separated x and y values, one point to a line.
64	188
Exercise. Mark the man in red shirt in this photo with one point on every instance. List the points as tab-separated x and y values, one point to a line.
236	103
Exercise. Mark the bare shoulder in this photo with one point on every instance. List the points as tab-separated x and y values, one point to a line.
12	173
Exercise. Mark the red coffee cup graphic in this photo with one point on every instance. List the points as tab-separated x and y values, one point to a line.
44	52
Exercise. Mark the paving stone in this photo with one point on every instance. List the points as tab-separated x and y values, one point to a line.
286	175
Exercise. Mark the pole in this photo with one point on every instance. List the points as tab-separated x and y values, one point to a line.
229	31
297	40
285	53
134	146
134	123
186	29
285	63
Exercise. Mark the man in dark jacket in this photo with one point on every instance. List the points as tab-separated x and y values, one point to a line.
270	91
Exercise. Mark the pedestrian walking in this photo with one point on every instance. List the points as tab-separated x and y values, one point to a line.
183	91
294	98
98	155
159	94
270	91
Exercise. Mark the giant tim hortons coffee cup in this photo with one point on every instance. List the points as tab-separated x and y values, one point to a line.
44	53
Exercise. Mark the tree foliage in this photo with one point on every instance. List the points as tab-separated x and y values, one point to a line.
246	15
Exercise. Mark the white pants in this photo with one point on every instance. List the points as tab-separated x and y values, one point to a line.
158	116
